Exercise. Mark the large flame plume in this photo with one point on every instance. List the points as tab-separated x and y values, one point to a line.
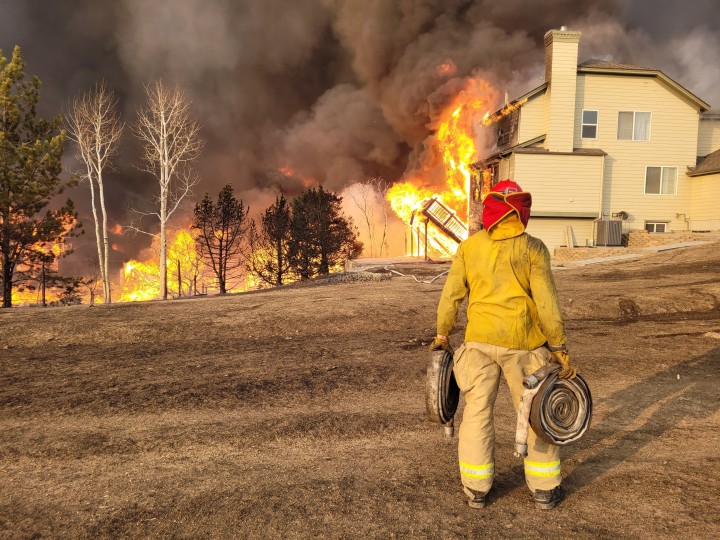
455	143
187	274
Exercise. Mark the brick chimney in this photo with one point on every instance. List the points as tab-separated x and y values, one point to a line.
561	58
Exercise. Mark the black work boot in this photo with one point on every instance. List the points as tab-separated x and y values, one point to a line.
478	500
546	499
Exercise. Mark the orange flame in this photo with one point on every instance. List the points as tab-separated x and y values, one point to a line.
502	113
306	181
455	142
447	68
141	280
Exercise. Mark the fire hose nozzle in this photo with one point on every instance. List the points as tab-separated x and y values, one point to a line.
534	379
449	429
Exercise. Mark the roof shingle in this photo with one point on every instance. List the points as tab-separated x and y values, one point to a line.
709	165
605	64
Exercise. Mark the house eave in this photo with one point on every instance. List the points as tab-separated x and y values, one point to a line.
700	103
694	174
575	152
563	215
519	102
505	152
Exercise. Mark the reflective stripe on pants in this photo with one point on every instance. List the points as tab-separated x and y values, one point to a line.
542	469
477	371
479	472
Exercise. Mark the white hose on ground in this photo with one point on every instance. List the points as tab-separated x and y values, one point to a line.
416	279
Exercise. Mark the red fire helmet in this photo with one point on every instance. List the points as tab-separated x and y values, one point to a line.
504	198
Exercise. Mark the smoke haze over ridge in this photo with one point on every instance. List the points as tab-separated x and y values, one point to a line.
333	90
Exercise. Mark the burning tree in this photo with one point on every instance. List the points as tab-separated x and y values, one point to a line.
222	229
270	244
95	127
30	165
171	143
321	236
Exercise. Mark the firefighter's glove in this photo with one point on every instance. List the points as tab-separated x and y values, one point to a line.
441	343
562	357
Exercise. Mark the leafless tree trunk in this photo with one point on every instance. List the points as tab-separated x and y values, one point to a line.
369	197
95	127
381	189
171	143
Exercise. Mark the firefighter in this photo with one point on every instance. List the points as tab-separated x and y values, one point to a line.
514	327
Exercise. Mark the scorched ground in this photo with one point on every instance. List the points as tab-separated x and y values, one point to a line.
299	412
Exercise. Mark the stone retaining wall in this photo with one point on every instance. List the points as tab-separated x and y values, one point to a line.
633	242
574	254
645	239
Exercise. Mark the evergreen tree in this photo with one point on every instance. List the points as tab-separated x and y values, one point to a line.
269	245
322	237
222	228
30	165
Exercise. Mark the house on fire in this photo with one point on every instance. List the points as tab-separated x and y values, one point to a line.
604	144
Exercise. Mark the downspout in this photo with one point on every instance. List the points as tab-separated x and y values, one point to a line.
601	201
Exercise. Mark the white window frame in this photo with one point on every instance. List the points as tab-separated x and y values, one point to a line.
596	124
655	224
661	167
633	139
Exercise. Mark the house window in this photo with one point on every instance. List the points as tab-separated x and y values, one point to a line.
504	131
634	126
655	226
589	124
661	180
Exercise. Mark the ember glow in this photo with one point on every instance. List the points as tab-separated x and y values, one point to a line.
29	292
502	113
455	143
307	181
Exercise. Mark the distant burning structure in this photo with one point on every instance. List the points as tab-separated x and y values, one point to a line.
440	218
444	218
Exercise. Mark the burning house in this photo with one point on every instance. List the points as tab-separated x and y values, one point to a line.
605	147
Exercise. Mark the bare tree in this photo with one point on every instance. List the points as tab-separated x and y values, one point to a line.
94	126
369	198
171	142
90	282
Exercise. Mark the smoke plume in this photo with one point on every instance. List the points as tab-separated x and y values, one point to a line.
328	92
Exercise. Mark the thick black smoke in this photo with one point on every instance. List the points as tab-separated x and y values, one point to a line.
329	90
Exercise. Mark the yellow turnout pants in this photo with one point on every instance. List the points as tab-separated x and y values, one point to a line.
477	371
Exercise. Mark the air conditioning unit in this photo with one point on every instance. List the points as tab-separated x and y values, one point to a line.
608	232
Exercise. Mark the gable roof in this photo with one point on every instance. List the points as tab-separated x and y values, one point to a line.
605	64
709	165
612	68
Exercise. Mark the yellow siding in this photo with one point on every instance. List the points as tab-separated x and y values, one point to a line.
561	92
704	212
553	231
504	169
708	136
532	118
561	183
673	143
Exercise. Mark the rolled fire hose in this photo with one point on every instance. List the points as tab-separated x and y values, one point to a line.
442	394
558	410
